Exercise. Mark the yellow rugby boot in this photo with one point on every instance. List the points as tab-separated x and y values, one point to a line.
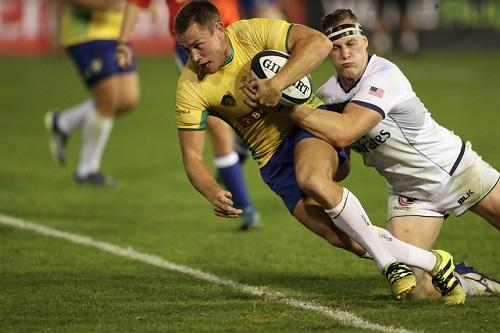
401	278
444	280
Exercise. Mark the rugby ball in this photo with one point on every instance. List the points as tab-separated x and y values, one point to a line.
267	63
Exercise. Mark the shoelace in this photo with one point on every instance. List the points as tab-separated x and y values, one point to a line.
397	271
441	282
470	269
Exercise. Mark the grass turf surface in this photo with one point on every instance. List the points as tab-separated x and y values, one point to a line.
51	285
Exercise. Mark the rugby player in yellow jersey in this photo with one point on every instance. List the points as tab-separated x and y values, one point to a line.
89	30
295	164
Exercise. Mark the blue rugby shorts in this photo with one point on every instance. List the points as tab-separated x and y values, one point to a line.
279	172
96	60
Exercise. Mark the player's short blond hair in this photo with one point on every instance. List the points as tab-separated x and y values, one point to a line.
202	12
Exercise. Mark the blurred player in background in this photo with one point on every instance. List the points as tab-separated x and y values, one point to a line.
219	69
260	8
227	160
383	36
88	31
429	170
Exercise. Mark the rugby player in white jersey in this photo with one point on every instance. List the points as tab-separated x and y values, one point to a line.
430	172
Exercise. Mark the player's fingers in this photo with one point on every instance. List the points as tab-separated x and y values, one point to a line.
222	207
237	212
121	58
230	211
227	211
225	197
227	194
219	213
123	63
251	86
254	84
250	97
250	91
222	204
233	212
250	103
124	55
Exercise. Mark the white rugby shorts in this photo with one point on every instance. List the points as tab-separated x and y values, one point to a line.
472	181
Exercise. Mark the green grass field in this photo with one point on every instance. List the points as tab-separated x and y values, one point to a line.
48	284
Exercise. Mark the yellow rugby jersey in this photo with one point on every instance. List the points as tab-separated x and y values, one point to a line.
220	94
79	25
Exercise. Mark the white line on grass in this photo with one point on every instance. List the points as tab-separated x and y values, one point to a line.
343	317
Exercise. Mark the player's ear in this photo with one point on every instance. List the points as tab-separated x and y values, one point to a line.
365	42
219	30
219	27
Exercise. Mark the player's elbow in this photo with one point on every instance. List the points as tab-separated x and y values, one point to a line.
325	46
320	45
339	139
342	142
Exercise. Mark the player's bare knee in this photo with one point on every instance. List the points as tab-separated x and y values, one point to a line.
310	182
129	102
126	105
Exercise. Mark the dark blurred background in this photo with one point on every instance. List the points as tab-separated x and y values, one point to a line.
30	26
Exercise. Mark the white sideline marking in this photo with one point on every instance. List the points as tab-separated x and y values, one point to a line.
343	317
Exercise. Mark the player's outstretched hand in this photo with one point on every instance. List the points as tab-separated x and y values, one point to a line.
223	205
124	55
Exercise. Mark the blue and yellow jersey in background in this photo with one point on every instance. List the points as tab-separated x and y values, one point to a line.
79	25
220	94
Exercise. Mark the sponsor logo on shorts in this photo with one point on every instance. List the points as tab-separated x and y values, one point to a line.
465	197
96	65
389	238
406	201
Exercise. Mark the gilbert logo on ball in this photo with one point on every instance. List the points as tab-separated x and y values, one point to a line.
268	63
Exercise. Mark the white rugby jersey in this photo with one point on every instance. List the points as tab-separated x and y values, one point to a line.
415	154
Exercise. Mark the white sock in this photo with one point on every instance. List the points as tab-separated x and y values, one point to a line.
74	117
407	253
96	132
227	160
350	217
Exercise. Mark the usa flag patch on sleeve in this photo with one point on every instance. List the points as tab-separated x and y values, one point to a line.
376	92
